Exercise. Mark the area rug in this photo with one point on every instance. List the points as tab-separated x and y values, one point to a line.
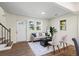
39	50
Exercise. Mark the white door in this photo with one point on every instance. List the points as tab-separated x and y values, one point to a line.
21	31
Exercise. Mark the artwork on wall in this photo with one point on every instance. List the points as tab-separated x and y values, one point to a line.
63	25
35	25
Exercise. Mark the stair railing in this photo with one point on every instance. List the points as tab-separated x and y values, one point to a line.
5	34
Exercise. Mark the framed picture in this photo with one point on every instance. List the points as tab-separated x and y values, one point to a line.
63	25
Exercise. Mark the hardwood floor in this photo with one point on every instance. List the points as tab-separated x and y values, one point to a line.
68	51
23	49
18	49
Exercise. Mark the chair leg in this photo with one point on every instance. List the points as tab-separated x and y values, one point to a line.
58	48
54	49
66	45
67	48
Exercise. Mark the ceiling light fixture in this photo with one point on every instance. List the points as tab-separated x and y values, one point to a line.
43	13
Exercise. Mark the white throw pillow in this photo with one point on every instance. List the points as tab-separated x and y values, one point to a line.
37	35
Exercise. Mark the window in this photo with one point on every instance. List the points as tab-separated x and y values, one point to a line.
63	25
31	25
38	25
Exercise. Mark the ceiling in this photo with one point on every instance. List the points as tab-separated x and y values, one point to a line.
73	6
43	10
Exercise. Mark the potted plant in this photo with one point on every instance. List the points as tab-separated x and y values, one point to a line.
52	31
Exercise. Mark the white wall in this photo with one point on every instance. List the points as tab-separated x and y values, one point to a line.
71	24
2	17
11	20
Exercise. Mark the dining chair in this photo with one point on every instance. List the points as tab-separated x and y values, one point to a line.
55	44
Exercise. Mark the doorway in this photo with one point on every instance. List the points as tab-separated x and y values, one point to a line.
21	31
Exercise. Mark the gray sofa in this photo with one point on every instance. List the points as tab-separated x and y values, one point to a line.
37	36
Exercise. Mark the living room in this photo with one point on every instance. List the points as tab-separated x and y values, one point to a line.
40	24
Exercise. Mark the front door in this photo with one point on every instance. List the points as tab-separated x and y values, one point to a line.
21	31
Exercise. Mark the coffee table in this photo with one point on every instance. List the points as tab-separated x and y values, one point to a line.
44	41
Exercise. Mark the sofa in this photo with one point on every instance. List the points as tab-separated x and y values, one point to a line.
37	36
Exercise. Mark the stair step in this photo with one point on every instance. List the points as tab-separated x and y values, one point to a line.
10	43
6	46
4	42
2	46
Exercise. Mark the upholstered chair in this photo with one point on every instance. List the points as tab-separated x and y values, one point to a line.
76	43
